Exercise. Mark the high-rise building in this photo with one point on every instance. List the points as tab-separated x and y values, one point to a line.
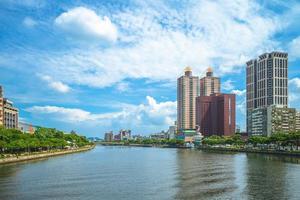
266	82
215	114
209	84
109	137
187	91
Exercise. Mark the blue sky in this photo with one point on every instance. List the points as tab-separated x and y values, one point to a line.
95	66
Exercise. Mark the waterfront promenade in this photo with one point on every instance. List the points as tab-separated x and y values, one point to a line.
40	155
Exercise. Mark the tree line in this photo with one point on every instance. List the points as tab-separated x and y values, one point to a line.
278	139
15	141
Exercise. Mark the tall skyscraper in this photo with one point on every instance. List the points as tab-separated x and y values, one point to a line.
187	91
209	84
215	114
267	83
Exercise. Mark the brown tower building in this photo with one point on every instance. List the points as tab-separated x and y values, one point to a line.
215	114
187	91
209	84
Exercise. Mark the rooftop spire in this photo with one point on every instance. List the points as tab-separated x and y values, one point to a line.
209	72
188	71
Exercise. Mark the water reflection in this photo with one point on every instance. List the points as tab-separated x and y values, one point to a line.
265	179
207	175
152	173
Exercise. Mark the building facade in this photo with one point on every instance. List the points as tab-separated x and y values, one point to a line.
26	127
209	84
266	83
298	121
171	132
187	91
269	120
215	114
11	115
109	136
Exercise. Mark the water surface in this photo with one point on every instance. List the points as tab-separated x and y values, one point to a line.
152	173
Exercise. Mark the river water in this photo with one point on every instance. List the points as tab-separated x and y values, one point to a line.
152	173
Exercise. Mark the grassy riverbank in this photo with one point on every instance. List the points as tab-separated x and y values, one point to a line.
12	158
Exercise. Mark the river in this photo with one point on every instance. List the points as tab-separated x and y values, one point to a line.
136	173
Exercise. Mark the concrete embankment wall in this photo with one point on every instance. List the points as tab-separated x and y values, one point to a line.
42	155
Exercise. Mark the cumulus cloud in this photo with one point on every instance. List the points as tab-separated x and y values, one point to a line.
156	41
56	85
29	22
294	48
152	113
239	92
123	86
228	85
83	23
295	82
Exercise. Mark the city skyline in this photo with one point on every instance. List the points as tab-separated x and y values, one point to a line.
120	70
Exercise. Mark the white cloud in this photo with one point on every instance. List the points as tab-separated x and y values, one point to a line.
241	106
161	52
150	114
294	89
295	82
294	48
123	86
29	22
239	92
56	85
228	85
156	41
85	24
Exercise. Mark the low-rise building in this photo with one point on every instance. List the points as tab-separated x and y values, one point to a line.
9	115
159	136
298	121
26	127
272	119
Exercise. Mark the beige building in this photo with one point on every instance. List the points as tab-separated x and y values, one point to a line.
9	115
209	84
298	121
187	91
269	120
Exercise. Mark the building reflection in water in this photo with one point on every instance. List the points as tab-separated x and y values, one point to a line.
204	175
268	176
